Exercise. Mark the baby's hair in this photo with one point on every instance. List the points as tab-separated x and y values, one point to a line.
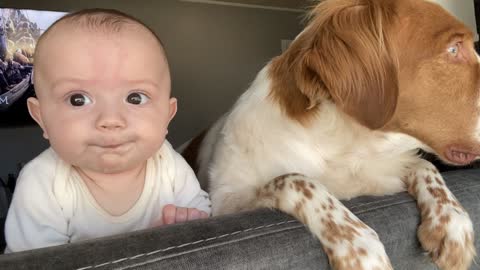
108	20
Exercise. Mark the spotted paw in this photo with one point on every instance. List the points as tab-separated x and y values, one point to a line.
448	238
364	252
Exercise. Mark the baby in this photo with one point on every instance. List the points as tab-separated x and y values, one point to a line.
103	101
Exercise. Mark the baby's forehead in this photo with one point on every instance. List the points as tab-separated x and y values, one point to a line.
67	29
66	32
69	43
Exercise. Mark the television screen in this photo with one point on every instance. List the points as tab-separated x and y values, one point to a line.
19	32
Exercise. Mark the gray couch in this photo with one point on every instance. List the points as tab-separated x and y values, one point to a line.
261	239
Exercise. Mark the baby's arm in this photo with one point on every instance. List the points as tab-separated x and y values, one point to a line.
190	201
34	218
187	189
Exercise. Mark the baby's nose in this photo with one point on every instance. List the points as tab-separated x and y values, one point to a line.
111	119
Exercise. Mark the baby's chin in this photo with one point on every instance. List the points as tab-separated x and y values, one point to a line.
107	164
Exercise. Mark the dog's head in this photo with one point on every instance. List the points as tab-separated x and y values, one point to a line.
406	66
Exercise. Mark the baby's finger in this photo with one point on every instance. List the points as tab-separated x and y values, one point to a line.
181	215
158	222
169	213
193	214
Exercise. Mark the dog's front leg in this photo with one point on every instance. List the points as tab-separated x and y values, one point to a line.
446	230
348	242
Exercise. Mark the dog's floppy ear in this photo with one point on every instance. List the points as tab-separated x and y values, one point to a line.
347	53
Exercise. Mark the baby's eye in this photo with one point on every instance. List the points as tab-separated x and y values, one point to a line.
78	100
137	98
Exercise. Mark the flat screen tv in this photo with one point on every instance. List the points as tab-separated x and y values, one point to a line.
19	32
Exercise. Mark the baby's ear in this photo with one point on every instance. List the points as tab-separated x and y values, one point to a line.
34	110
172	108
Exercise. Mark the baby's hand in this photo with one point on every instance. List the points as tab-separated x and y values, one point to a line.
172	214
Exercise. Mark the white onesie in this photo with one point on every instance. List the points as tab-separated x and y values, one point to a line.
51	205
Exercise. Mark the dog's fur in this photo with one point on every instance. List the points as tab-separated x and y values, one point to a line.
365	85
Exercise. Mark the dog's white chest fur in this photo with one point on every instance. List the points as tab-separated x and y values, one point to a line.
260	143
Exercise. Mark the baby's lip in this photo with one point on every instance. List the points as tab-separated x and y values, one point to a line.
110	141
115	149
111	145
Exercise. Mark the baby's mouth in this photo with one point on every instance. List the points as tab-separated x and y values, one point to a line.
112	146
118	147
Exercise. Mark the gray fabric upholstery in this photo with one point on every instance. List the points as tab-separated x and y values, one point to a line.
261	239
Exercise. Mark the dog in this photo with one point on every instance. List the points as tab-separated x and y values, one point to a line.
342	113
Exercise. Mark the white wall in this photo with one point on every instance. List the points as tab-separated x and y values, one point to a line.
462	9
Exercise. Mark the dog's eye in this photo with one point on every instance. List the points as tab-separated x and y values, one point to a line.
453	50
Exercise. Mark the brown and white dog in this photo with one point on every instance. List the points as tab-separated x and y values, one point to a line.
342	113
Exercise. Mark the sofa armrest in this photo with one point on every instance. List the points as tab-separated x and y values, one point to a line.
260	239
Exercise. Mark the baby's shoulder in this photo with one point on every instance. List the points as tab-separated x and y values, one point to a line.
45	161
35	192
180	167
40	169
174	159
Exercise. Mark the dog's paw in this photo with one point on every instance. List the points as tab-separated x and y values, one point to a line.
348	242
364	251
448	238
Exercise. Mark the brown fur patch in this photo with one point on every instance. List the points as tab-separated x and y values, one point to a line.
439	182
447	254
433	82
300	186
354	223
440	194
279	183
352	261
300	213
333	60
349	262
428	180
412	187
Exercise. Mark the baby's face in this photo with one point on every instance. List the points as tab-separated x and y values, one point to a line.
104	99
